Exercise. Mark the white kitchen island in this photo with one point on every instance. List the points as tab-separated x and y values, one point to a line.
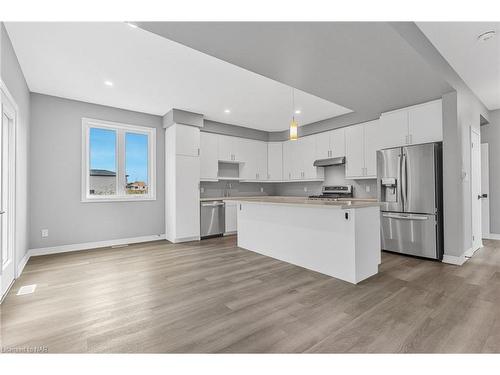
340	239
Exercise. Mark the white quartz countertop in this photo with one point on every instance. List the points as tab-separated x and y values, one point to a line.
341	203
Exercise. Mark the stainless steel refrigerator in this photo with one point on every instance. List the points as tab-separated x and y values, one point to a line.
409	181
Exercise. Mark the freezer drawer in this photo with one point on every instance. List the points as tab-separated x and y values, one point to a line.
412	234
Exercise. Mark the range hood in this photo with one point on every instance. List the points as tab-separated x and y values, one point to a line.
330	161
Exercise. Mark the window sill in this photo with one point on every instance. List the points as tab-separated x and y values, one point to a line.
118	199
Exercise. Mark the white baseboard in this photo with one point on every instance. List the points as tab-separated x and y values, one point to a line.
93	245
22	264
491	236
457	261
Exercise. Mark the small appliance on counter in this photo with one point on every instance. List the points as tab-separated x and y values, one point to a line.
333	192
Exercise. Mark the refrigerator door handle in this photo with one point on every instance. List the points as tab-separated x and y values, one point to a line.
404	182
400	190
405	217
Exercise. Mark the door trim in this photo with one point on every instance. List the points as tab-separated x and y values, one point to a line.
12	180
473	196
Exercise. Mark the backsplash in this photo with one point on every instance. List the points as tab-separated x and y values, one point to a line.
334	175
235	189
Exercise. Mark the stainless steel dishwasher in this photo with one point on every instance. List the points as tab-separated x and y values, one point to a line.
212	218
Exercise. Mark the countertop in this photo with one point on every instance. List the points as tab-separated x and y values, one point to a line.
341	203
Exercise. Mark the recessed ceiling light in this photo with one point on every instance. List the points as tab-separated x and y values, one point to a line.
133	26
486	36
108	83
227	111
298	111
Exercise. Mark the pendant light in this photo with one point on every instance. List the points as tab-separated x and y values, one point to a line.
293	125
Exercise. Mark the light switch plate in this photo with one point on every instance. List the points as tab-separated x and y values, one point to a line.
367	188
45	233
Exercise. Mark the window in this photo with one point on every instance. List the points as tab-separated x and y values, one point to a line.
118	162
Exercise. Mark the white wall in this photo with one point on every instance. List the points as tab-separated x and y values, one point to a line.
13	78
56	143
491	134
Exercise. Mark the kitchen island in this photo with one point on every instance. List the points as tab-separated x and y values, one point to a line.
337	238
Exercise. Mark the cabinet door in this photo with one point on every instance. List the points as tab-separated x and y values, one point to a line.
426	123
307	155
187	199
275	161
372	140
247	155
230	217
208	156
354	147
288	159
337	143
187	140
225	148
322	145
261	156
394	128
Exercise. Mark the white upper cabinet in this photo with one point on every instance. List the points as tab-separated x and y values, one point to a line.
253	158
261	155
209	164
355	153
421	123
322	141
394	127
337	143
330	144
362	143
373	140
275	161
187	140
226	146
289	156
425	123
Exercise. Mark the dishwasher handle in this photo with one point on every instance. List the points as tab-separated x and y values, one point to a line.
215	204
406	217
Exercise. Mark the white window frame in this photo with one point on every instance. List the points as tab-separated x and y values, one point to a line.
120	130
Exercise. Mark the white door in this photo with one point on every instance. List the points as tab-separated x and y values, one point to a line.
425	123
187	201
7	175
209	164
230	217
485	189
475	140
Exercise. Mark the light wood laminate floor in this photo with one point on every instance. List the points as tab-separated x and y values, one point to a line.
211	296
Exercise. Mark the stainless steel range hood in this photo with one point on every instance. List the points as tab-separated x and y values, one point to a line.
330	161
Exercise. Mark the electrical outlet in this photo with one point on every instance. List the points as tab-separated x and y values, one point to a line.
367	188
202	189
305	189
261	189
45	233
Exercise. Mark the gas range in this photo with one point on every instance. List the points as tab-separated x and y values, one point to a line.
333	192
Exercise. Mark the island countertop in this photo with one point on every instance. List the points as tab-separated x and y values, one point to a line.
303	201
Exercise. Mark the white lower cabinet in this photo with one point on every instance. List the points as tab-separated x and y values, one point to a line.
230	217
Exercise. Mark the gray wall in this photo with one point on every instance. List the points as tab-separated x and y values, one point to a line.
13	78
55	159
491	134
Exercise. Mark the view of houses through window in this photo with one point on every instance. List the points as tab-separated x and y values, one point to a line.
104	161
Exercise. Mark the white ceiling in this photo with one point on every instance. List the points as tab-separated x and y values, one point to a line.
152	74
476	62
